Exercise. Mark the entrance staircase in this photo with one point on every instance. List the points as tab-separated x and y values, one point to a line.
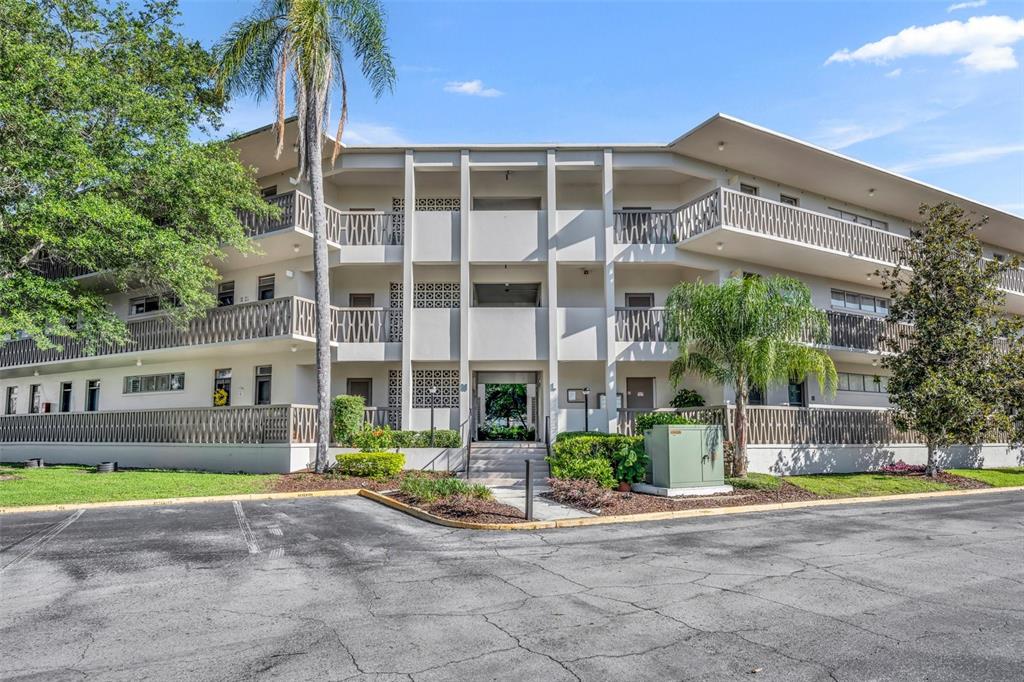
501	464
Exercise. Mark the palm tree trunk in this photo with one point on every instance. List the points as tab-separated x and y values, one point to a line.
739	464
314	153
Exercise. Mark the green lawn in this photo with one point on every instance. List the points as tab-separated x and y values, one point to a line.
69	484
863	485
999	478
756	482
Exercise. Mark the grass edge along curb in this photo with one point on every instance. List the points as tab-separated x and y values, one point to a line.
526	525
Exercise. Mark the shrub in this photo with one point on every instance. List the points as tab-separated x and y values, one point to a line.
346	417
648	419
370	464
373	438
443	438
427	490
498	432
595	469
624	454
580	493
687	398
565	435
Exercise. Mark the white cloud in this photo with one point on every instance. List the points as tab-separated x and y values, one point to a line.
474	87
371	133
843	134
961	157
967	5
895	73
985	41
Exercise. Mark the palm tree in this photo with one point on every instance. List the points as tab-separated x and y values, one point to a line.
303	43
750	332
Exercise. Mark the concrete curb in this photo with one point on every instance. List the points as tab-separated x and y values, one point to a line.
245	497
526	525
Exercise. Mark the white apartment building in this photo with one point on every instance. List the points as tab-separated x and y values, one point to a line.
458	266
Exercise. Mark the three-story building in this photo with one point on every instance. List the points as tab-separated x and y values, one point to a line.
458	266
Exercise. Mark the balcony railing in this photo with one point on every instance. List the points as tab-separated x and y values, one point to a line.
367	325
863	332
356	228
639	324
244	322
795	425
382	416
201	425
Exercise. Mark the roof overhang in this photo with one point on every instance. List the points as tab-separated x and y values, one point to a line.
760	152
257	148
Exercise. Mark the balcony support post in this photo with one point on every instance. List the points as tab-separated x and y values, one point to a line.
608	203
551	200
407	289
465	294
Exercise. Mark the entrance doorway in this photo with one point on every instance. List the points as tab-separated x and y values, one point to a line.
506	406
640	393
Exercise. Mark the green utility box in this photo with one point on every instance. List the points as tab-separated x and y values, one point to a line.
685	456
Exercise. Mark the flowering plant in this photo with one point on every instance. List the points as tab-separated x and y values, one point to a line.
220	398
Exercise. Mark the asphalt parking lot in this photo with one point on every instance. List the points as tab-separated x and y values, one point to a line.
342	588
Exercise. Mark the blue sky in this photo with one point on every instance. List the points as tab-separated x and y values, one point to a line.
942	102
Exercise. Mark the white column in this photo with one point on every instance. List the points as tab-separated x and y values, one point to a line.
410	213
465	292
607	186
551	197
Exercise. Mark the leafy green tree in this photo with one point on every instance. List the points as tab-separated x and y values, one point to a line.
748	332
98	172
506	401
303	43
950	383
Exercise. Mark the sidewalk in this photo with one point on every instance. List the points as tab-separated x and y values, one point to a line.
543	509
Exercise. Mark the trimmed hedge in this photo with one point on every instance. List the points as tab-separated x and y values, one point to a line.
594	469
648	419
443	438
370	464
625	455
347	417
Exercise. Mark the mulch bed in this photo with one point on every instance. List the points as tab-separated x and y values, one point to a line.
954	481
637	503
466	509
304	481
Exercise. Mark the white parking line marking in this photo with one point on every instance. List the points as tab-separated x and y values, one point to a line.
243	524
43	539
275	530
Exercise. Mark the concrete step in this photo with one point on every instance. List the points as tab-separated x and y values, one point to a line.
505	466
504	482
506	457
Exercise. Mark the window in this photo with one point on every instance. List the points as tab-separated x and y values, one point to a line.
752	190
360	300
863	383
265	288
12	400
148	304
639	300
362	387
268	192
35	399
225	294
788	200
155	383
263	376
755	396
65	396
860	302
859	219
92	395
222	387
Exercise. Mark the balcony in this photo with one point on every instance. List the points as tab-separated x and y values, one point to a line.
276	318
639	324
367	333
580	235
508	334
436	237
507	236
198	425
582	334
864	333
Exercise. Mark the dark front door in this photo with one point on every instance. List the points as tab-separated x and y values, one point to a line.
640	393
798	394
363	387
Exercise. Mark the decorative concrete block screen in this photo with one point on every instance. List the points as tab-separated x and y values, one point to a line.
436	295
446	381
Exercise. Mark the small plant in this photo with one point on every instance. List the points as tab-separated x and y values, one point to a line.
427	490
220	397
687	398
373	438
595	469
377	465
902	468
498	432
645	421
631	462
346	417
580	493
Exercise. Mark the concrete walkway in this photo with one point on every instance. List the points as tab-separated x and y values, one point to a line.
543	509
